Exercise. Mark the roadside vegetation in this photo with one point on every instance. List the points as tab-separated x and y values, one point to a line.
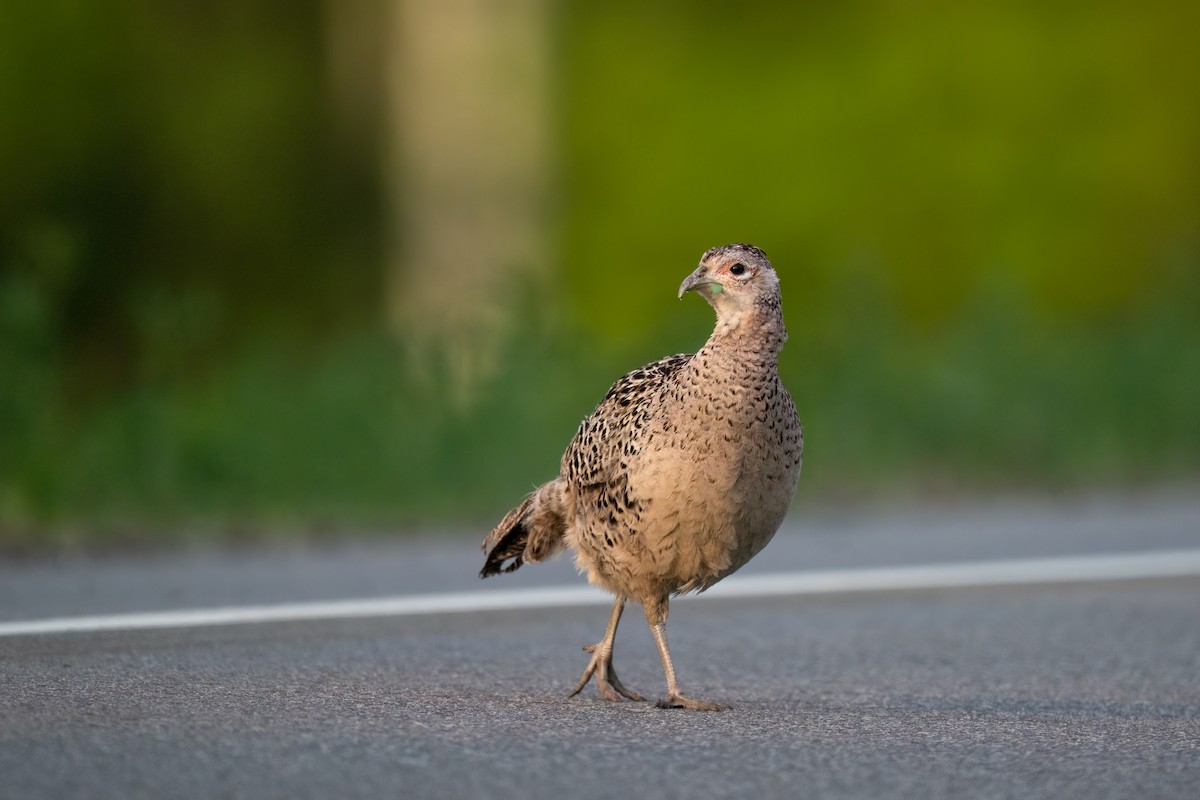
985	221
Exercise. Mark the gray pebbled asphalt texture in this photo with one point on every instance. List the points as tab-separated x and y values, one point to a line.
1033	692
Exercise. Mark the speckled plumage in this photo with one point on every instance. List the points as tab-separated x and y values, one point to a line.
683	472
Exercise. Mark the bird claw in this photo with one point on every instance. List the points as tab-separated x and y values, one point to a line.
607	682
680	701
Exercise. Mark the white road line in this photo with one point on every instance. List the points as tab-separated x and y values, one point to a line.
1069	569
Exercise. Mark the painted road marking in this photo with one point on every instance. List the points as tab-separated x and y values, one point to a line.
1066	569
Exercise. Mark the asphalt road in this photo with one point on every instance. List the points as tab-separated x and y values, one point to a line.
1057	690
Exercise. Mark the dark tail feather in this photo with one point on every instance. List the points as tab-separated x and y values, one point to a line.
533	531
507	541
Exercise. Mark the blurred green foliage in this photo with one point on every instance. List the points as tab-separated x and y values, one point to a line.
985	217
940	150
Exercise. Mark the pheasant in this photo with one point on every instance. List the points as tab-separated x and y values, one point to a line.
682	474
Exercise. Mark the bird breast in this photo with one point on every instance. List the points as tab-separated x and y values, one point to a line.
715	472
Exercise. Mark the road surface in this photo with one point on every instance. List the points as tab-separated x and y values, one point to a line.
1054	686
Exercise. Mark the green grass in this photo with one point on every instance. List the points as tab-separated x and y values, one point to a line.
355	436
984	218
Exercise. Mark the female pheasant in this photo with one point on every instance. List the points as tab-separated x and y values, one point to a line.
682	473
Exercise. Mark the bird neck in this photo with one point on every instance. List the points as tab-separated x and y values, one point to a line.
757	330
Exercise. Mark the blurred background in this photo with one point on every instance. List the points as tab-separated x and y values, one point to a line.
321	265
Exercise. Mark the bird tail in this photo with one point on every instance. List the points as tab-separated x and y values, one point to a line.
533	531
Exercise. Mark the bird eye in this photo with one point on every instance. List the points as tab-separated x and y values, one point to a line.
737	269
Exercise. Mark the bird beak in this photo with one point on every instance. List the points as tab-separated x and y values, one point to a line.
696	279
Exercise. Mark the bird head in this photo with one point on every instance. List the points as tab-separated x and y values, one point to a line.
738	282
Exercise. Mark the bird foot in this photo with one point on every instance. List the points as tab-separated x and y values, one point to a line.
679	701
607	682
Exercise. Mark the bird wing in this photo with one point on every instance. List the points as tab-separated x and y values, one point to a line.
598	456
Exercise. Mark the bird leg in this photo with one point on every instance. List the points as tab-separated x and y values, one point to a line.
607	682
656	616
